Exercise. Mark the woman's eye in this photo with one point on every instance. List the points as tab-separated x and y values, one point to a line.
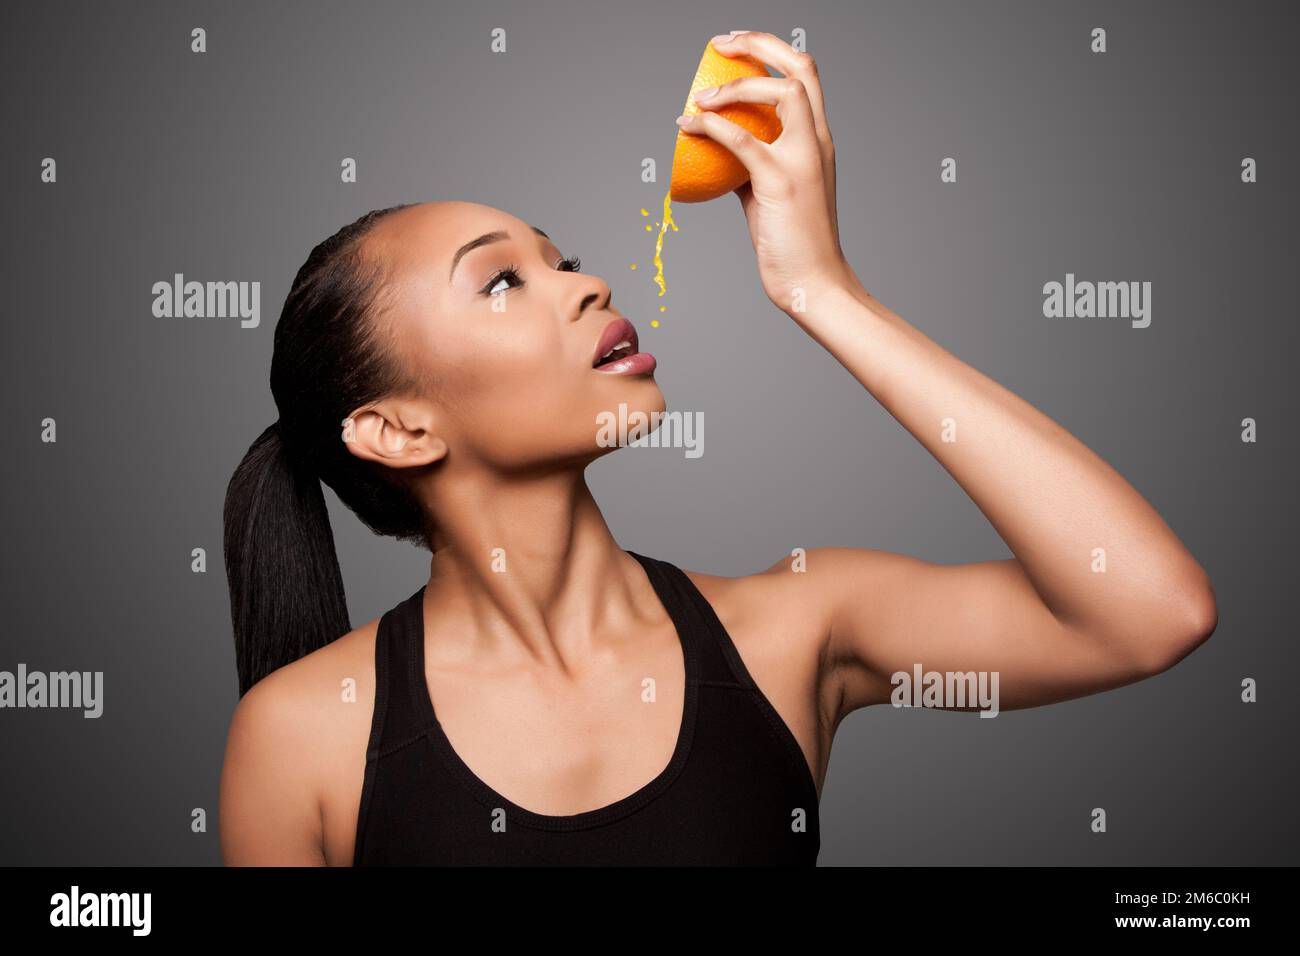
502	276
510	275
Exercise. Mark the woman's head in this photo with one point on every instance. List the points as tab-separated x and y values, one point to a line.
495	333
421	343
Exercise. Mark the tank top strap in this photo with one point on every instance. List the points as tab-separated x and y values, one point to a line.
397	717
689	609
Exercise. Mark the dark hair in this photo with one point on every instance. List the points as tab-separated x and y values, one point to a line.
286	590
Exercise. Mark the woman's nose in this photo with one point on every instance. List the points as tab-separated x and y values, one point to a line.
592	293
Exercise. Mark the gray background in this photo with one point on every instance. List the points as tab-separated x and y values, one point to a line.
225	166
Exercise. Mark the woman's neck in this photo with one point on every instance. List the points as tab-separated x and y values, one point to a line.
532	563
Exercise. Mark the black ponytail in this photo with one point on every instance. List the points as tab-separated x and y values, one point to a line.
286	589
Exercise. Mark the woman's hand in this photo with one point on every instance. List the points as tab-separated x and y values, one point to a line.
789	201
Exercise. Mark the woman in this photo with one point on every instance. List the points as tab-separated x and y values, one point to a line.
468	360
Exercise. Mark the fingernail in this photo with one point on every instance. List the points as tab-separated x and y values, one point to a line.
683	120
722	38
705	94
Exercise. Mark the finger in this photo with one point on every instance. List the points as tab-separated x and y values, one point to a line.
786	94
745	193
779	55
749	149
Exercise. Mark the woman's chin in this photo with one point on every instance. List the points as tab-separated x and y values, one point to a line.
635	414
639	393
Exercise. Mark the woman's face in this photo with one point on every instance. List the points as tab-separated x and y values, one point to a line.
504	338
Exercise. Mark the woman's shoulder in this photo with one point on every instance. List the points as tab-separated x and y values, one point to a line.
290	735
807	581
793	601
311	680
770	614
781	590
318	706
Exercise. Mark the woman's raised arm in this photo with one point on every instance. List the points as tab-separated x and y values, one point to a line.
1100	592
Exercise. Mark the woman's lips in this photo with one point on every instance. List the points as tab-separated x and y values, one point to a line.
620	336
638	363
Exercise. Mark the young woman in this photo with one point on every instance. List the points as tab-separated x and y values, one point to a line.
442	367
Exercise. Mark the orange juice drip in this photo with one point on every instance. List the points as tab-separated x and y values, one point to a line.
659	243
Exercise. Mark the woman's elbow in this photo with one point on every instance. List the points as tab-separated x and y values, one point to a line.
1196	616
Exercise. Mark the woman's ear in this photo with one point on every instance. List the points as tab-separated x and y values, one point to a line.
394	433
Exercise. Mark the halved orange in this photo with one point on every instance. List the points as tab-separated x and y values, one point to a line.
703	169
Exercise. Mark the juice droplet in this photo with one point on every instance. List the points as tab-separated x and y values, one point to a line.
632	267
644	212
649	228
654	323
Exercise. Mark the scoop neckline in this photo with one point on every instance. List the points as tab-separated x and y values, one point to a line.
678	610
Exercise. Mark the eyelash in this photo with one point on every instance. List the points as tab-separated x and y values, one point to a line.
573	263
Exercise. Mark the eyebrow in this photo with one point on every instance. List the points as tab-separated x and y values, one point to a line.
486	239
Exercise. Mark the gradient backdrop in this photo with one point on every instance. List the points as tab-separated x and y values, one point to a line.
1121	166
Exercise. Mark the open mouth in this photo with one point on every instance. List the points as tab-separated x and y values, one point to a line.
620	351
616	343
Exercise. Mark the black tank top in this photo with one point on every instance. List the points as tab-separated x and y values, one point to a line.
736	791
